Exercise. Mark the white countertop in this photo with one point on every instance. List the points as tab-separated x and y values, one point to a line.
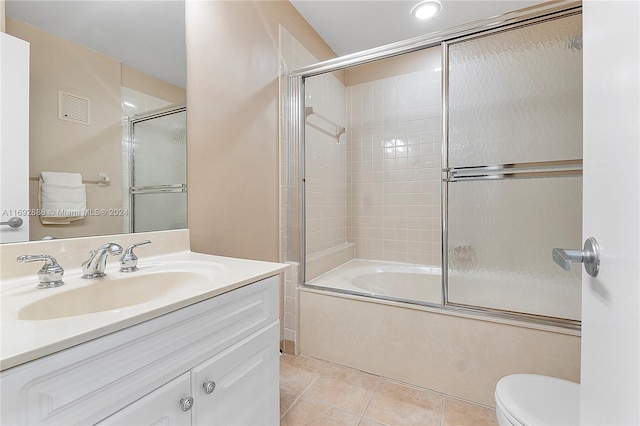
26	340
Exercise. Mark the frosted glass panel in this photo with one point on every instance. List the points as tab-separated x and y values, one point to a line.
160	158
159	212
516	96
501	234
160	150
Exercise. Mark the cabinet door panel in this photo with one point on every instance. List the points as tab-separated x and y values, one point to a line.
160	407
246	383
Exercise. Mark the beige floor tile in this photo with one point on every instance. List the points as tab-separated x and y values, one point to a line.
286	400
297	372
459	413
367	422
308	412
395	404
344	388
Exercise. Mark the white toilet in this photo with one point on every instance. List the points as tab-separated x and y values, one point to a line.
531	399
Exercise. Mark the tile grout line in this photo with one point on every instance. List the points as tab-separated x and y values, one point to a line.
340	408
326	404
304	390
295	401
362	417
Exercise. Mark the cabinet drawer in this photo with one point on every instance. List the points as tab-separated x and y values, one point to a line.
87	383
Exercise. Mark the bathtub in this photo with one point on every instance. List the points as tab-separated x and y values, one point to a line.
385	279
419	342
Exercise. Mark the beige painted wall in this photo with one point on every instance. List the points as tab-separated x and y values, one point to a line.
422	60
233	149
57	145
2	16
145	83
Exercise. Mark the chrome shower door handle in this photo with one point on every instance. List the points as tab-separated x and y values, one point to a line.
589	255
564	257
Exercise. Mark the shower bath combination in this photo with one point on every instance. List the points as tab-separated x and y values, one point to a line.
470	165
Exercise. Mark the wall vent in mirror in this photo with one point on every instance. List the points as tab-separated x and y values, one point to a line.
73	108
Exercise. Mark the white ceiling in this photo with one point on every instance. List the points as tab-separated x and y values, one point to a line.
149	35
352	26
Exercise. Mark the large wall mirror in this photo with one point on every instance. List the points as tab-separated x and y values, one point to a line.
107	102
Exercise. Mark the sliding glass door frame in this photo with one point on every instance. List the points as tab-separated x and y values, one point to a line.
296	138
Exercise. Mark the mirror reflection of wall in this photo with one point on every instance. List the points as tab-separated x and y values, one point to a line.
114	92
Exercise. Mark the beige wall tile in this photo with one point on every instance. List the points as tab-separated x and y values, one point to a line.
394	164
457	356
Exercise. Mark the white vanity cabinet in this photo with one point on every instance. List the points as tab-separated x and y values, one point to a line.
236	387
160	407
145	373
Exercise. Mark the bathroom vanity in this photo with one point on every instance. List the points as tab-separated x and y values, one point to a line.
206	352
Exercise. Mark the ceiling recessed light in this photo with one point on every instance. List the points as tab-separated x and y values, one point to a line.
426	9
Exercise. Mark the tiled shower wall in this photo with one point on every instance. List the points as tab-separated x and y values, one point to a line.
326	165
394	154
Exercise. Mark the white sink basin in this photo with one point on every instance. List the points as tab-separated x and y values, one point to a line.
106	294
38	322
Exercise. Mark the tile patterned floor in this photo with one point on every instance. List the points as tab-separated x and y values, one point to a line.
320	393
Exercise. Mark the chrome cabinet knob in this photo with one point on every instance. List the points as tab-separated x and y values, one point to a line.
589	255
209	386
186	403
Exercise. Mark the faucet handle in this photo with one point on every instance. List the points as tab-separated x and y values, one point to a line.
129	260
50	275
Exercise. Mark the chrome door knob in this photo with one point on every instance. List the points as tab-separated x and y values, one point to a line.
186	403
209	386
589	255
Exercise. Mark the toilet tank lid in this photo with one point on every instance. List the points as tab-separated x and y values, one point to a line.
539	400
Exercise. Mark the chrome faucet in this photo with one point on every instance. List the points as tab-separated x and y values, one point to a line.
94	267
51	273
129	260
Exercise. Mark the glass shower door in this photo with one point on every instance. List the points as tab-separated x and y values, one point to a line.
159	171
513	168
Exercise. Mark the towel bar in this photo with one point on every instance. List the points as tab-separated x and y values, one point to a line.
102	179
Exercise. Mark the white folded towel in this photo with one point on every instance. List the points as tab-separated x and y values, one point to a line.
62	198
